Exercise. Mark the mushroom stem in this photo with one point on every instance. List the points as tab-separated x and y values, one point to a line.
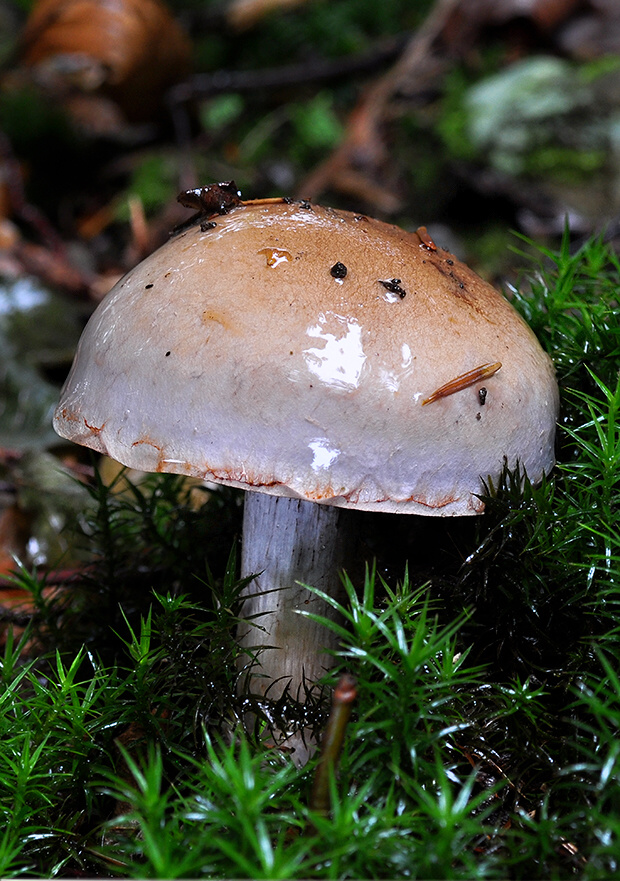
287	541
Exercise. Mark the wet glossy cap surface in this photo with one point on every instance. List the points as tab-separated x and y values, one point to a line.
293	349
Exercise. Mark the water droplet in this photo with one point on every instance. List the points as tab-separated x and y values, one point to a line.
275	256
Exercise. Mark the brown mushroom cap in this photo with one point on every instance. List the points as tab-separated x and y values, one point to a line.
292	349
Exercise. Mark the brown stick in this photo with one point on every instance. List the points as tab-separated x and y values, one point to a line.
353	166
331	744
206	85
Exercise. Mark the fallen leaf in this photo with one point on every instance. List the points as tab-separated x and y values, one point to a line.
243	14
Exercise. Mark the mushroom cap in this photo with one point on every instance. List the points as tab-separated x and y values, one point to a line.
292	349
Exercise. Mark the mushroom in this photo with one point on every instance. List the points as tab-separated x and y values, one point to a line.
322	361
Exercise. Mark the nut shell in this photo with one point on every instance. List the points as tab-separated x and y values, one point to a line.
129	51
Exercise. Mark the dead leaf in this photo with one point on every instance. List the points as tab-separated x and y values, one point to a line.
594	34
469	17
52	267
244	14
14	533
